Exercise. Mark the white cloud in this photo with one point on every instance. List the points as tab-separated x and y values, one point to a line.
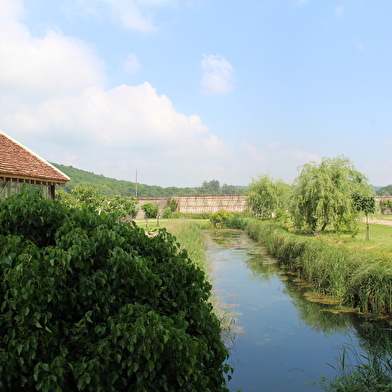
253	152
275	159
339	10
273	145
132	116
53	99
359	45
136	14
306	157
132	64
218	75
34	69
10	10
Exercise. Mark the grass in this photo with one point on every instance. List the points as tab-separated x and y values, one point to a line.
356	272
382	217
188	233
380	239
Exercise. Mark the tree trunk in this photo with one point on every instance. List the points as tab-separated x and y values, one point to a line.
367	227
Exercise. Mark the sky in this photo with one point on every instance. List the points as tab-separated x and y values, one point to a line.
186	91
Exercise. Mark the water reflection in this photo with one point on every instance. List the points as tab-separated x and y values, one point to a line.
325	315
283	337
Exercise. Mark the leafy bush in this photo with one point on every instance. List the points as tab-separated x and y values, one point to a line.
170	208
122	206
150	210
218	218
90	303
227	220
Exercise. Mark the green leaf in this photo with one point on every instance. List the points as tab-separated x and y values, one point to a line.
135	366
19	348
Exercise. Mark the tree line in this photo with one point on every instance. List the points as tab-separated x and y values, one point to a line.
111	186
327	194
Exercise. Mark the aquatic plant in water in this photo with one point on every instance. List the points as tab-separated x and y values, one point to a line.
370	371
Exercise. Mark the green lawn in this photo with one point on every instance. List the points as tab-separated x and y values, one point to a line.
382	217
380	238
188	233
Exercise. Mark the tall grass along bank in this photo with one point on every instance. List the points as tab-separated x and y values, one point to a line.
358	278
190	237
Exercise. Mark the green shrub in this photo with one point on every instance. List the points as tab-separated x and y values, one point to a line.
90	303
218	218
228	220
150	210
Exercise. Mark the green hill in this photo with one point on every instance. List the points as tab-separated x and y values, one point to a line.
111	186
385	190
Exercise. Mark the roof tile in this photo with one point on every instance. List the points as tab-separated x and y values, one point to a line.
18	161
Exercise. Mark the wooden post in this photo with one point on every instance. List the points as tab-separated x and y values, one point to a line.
136	184
53	191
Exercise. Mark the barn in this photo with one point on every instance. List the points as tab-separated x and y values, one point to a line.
19	166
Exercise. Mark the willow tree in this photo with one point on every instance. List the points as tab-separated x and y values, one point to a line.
323	192
265	196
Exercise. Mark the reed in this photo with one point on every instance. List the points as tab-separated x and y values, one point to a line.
370	371
371	286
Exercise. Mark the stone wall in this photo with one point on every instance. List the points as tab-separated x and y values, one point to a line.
387	211
211	203
198	204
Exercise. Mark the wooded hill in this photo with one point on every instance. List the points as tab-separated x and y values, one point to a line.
384	191
110	186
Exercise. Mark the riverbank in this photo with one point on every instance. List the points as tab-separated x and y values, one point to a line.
353	272
357	278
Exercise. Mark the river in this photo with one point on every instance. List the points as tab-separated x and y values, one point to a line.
280	338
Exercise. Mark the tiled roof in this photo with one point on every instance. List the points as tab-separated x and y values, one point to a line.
18	161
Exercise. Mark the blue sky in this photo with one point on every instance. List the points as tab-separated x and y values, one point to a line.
185	91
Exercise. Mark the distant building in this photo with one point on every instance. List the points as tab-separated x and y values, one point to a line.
19	165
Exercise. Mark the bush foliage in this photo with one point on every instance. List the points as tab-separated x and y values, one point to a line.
90	303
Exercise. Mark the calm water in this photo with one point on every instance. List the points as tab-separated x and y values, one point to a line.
281	341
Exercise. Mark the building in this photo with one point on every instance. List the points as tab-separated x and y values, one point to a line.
19	165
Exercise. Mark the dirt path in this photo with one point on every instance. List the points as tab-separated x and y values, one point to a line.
380	222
